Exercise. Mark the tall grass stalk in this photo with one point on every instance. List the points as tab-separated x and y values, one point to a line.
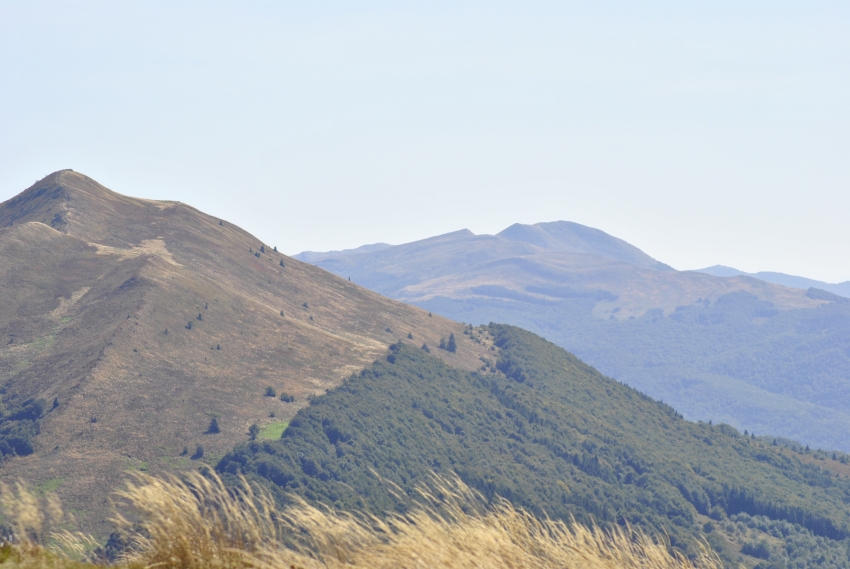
196	522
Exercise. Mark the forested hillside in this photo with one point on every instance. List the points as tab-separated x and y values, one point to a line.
737	359
539	427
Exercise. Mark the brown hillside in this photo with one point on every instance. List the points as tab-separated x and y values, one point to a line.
90	281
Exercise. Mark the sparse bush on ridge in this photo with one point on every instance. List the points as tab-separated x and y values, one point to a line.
196	522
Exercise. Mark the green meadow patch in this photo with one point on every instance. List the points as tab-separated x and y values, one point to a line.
273	431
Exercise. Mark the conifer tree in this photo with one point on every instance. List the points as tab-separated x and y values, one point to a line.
213	428
452	345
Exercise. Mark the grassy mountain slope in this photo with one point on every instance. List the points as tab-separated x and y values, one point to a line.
541	428
136	323
741	350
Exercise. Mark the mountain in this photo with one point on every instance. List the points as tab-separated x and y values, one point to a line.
539	427
568	237
313	257
740	350
841	289
542	262
129	325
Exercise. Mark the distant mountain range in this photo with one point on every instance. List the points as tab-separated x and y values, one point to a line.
737	349
841	289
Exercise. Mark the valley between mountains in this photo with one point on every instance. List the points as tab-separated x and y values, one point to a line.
144	335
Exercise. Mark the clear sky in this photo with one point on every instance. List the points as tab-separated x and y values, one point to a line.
701	132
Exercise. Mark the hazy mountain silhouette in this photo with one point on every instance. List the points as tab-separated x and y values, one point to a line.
739	349
841	289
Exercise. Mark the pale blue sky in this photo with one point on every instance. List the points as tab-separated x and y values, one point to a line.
702	132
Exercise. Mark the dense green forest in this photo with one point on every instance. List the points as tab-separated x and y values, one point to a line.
736	360
542	429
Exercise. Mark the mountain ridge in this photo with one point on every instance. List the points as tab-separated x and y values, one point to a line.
454	264
142	321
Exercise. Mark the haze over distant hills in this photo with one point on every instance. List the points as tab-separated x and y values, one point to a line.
841	289
738	349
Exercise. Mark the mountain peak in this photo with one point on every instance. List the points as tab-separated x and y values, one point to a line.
567	236
51	199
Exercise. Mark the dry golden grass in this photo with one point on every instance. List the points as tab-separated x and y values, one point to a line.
196	522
